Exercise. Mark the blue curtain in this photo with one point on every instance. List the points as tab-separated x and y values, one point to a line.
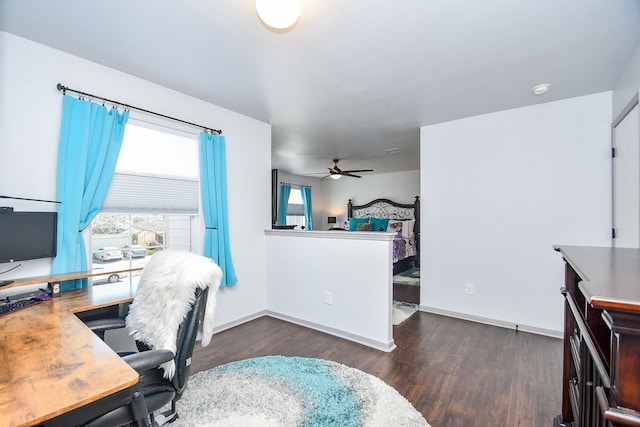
285	190
213	184
306	206
90	141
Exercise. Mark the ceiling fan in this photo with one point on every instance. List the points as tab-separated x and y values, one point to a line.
336	173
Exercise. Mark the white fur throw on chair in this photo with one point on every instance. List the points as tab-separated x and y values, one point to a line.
165	296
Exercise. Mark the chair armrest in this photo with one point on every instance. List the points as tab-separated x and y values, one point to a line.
101	325
146	360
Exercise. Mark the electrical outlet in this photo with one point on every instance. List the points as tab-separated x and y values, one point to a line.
468	289
328	297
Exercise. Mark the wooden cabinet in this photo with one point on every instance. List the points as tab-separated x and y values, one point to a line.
601	370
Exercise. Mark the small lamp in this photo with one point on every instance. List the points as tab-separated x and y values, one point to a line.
331	220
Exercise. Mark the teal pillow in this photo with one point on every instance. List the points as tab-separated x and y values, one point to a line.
380	224
353	223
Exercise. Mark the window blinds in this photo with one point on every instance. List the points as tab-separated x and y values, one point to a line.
135	193
295	209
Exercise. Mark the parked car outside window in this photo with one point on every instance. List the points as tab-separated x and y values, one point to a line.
108	253
134	251
107	277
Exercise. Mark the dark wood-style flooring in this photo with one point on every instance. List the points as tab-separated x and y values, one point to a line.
406	293
456	373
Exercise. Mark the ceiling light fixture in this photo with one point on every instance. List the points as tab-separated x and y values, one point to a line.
541	89
278	14
335	176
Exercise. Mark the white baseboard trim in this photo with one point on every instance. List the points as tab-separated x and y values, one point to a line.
493	322
239	321
378	345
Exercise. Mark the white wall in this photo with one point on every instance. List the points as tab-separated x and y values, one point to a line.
401	187
30	111
354	267
499	190
628	84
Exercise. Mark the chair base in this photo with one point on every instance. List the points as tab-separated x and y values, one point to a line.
161	418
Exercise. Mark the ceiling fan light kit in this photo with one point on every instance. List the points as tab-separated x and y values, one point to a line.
278	14
336	173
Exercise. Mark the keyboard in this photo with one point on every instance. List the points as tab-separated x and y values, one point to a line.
11	306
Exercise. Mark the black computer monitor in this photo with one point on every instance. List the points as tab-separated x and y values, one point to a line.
27	235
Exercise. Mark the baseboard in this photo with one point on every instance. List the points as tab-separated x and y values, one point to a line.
239	321
378	345
386	347
493	322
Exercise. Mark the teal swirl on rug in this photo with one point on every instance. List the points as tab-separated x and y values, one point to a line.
292	391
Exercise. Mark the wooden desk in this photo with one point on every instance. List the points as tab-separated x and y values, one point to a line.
61	277
51	363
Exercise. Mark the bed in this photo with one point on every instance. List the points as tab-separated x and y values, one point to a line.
403	219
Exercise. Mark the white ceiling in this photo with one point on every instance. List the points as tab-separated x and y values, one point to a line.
354	77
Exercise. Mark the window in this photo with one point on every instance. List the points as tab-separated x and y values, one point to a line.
152	204
295	210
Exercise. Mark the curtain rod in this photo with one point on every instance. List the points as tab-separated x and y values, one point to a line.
297	185
65	89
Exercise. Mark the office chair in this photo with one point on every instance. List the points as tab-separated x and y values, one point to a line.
163	367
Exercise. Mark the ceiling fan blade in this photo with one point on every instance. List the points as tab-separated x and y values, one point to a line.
359	170
335	170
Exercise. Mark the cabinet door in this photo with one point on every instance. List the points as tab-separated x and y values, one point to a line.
626	181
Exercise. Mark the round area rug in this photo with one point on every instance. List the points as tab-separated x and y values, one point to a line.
292	391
